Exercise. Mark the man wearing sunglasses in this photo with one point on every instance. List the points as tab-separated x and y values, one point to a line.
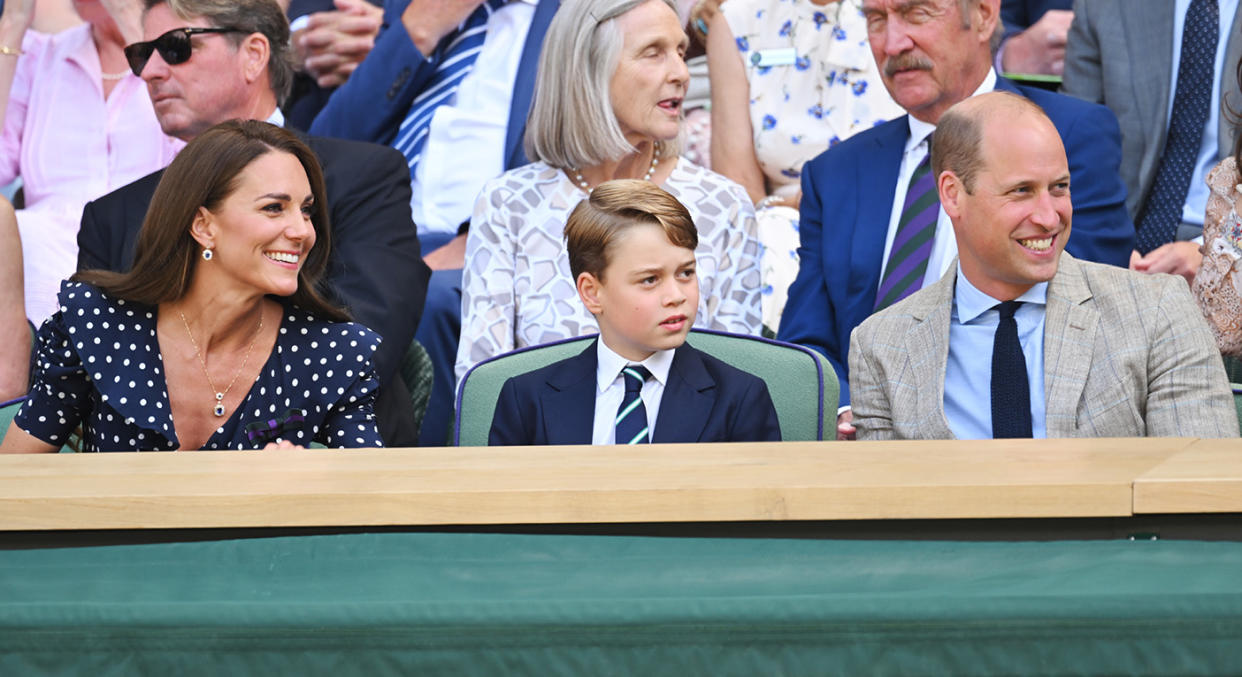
207	61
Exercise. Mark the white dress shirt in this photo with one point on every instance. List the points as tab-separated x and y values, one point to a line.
610	390
466	141
944	246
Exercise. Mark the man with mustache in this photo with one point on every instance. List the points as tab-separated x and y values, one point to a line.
1020	339
871	225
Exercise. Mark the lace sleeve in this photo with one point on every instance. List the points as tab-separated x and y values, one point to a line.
1218	285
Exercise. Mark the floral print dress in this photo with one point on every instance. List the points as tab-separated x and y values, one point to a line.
813	83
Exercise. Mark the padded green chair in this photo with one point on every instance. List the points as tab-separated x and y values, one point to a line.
801	382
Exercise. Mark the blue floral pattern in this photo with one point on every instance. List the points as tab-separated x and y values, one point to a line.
829	91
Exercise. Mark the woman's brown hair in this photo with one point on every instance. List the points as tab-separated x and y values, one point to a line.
204	174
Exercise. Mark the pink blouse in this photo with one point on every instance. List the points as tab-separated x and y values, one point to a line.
70	145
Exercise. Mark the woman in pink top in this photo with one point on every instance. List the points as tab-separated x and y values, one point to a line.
77	124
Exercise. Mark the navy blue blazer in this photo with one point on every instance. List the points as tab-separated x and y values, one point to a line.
847	198
705	400
373	102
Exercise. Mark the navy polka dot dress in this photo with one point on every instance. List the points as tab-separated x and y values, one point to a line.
99	365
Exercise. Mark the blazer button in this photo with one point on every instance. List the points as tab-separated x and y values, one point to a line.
398	83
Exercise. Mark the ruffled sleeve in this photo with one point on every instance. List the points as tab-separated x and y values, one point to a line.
350	419
61	391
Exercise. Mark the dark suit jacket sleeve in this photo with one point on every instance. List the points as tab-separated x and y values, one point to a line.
756	419
809	318
515	414
376	267
93	240
375	99
1083	67
1102	230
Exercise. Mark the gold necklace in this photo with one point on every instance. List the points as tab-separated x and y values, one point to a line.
218	409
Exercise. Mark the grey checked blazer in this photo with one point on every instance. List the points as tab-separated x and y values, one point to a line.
1125	355
1120	54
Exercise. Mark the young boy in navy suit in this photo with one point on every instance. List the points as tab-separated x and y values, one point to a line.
631	251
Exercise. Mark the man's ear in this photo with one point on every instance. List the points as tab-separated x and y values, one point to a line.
951	191
203	229
986	16
589	291
255	51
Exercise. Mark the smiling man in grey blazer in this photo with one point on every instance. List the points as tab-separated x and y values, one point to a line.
1020	339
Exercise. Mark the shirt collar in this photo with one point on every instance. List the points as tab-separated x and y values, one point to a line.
919	129
276	118
610	365
971	303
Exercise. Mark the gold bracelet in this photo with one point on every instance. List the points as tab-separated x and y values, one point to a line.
11	51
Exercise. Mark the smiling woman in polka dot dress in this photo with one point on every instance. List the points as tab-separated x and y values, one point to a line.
217	338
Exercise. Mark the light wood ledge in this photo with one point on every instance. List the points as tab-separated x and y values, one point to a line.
1205	478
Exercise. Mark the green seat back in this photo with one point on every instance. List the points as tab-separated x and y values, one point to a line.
801	382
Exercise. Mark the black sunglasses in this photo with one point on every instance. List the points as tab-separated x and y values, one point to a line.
174	47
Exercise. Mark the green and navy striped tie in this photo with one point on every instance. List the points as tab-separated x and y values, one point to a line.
631	420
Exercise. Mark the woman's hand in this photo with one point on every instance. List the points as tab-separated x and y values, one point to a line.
282	444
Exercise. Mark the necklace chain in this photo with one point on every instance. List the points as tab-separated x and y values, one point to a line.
114	76
218	406
655	161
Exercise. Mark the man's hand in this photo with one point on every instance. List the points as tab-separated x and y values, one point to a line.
452	256
845	425
1041	47
428	21
334	43
1177	258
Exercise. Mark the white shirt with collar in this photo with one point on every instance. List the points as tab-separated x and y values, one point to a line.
944	246
610	390
466	140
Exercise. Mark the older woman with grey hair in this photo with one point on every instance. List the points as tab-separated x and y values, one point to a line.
607	106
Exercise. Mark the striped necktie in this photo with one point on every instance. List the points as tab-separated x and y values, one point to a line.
455	55
912	243
632	415
1192	102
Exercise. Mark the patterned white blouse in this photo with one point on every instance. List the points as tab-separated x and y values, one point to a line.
517	290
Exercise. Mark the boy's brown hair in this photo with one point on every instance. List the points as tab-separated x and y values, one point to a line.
615	206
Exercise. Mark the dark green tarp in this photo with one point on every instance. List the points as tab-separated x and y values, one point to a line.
500	604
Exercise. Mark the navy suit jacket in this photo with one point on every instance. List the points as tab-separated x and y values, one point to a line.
705	400
372	104
374	268
847	198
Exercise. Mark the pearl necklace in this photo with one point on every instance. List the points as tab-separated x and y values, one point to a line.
218	409
655	161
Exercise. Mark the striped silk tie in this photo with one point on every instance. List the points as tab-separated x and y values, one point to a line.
912	244
632	415
1192	103
456	56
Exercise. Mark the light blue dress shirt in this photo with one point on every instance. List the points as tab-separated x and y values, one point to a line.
1197	195
968	374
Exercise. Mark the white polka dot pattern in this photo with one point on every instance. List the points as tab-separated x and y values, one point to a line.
107	377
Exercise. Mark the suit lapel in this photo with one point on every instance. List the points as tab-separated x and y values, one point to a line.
687	401
524	83
568	407
877	184
1229	92
1070	327
928	356
1149	38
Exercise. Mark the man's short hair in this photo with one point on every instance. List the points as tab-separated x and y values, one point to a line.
571	122
959	133
615	206
250	16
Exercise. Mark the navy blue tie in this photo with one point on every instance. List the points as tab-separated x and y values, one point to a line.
632	415
1162	212
1011	391
455	55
